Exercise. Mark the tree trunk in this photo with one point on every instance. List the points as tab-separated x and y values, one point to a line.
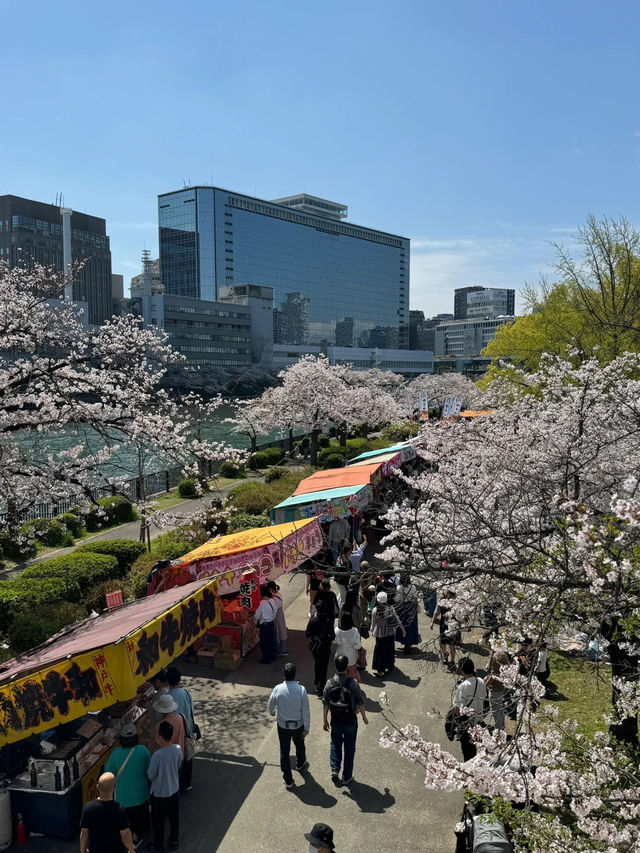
290	438
343	435
254	443
315	435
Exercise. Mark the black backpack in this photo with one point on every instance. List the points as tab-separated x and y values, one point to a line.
341	700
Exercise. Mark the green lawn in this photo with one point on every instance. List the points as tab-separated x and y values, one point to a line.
583	691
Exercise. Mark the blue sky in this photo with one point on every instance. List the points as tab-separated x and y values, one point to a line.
481	129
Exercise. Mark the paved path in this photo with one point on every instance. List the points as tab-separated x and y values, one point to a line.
239	802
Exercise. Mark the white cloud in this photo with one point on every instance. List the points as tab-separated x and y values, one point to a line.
438	266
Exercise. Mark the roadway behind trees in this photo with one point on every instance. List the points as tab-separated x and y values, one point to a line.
239	802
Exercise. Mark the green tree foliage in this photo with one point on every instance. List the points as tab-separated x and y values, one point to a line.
126	551
593	309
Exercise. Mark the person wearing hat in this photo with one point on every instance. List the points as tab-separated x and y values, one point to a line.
320	839
167	706
384	621
129	763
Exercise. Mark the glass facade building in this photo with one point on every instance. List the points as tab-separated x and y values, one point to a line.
31	232
333	282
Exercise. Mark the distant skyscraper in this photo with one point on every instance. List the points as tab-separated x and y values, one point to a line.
210	238
344	332
31	232
460	301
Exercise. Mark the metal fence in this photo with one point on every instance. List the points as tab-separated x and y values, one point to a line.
155	483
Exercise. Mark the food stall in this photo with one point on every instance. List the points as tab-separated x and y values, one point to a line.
327	504
71	696
242	563
390	457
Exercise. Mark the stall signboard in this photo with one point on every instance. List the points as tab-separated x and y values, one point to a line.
250	590
89	681
268	560
423	401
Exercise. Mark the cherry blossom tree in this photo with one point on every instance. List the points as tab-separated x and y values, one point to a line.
440	385
536	511
97	389
254	417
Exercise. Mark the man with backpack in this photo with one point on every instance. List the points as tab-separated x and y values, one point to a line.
343	699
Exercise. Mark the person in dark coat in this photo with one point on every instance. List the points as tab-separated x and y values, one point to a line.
321	635
327	595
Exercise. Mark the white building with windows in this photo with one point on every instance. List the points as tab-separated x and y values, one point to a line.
464	338
406	362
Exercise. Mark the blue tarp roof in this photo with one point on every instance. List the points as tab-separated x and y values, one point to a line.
393	449
324	495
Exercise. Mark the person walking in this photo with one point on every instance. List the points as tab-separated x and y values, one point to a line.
407	609
357	553
265	617
321	634
327	595
469	702
320	839
342	699
184	701
289	703
496	687
449	636
348	643
280	621
384	621
129	763
104	826
164	778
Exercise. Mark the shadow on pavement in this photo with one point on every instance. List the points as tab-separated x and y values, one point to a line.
312	793
368	798
227	781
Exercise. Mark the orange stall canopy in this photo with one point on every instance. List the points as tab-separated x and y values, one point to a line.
338	478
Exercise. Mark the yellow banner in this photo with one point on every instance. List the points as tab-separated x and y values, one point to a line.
96	679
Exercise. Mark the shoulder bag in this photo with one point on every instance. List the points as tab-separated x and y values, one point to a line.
190	746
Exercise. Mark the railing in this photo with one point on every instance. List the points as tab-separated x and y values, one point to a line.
155	483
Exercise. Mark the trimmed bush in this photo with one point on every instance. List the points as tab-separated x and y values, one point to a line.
228	469
83	570
97	599
324	441
274	455
244	521
252	498
187	488
400	432
259	460
126	551
137	578
27	632
333	460
73	523
23	598
48	532
274	474
334	450
109	512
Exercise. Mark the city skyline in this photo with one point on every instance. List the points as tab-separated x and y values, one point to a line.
467	128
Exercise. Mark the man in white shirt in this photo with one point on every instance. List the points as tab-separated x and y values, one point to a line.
289	700
470	698
265	617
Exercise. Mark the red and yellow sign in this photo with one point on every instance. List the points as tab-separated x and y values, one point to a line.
89	681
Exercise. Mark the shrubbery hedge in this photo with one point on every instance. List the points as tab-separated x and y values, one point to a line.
259	460
73	523
46	621
333	460
274	474
126	551
332	451
25	597
228	469
244	521
16	550
109	512
83	569
48	531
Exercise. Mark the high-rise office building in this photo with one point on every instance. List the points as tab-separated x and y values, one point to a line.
477	301
324	272
31	232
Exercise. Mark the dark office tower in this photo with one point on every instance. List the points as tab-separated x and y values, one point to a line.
460	301
31	232
210	238
344	332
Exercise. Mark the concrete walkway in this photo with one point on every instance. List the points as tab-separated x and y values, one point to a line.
239	802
